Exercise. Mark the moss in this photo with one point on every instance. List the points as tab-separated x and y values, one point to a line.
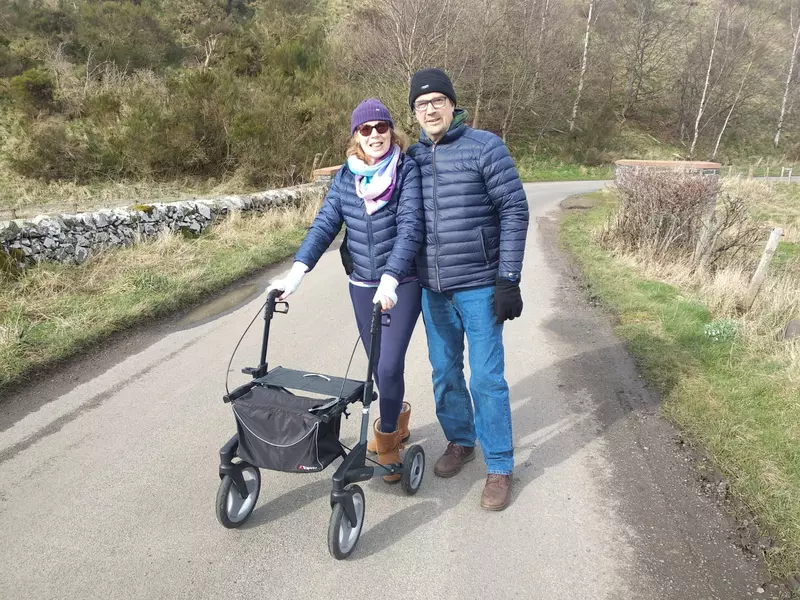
145	208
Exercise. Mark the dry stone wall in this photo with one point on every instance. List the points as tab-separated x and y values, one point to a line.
72	238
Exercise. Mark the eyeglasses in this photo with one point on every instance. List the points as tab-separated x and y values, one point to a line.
437	103
366	130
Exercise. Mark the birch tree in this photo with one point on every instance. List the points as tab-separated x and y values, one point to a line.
592	5
777	139
524	60
704	97
730	112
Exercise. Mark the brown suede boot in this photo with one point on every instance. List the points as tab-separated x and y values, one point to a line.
402	425
372	445
402	422
496	492
388	451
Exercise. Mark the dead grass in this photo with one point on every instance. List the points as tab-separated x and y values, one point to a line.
29	197
737	394
721	292
52	311
778	302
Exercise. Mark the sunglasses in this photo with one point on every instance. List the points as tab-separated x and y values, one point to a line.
382	127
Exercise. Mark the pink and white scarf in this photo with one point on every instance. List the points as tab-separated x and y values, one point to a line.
375	183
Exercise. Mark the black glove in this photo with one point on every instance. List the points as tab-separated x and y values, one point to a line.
507	299
347	259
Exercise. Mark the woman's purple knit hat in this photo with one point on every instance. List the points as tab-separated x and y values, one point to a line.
370	109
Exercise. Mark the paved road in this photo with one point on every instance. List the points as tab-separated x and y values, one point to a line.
108	469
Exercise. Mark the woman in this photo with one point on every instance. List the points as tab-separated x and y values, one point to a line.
378	196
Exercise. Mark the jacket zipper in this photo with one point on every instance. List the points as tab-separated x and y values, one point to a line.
483	247
372	274
435	220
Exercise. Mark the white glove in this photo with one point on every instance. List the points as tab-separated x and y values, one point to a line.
290	282
385	293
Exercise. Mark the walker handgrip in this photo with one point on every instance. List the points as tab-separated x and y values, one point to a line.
384	319
273	303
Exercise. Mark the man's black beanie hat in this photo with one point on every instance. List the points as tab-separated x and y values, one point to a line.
430	80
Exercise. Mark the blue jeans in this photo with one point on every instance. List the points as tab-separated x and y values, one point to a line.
447	317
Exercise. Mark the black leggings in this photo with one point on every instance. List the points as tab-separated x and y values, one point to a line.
394	340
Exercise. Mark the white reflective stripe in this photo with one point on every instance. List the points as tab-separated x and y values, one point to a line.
316	426
363	284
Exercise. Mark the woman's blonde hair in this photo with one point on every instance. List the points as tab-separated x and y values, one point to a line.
354	147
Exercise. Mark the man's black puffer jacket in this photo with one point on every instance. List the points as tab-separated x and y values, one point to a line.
476	212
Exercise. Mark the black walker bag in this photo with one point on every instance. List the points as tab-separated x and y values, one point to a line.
277	432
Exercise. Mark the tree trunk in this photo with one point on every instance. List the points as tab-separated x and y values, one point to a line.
482	67
478	96
730	112
583	67
509	109
542	28
703	98
777	139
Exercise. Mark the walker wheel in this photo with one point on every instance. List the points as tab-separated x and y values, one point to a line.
413	469
232	509
342	535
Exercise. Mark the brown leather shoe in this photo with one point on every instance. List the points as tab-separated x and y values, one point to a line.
453	459
496	492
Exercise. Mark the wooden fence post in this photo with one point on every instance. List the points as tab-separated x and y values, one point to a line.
761	270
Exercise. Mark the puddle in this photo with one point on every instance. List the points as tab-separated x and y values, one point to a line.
221	305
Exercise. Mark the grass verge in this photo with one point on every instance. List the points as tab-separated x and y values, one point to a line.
728	382
539	169
53	311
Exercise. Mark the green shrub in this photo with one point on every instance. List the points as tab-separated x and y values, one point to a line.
11	65
33	91
55	149
126	34
103	107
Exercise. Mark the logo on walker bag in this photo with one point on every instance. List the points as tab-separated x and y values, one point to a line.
305	468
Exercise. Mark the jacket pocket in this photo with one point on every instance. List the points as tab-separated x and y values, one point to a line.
483	246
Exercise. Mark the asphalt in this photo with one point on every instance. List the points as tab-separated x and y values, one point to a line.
108	467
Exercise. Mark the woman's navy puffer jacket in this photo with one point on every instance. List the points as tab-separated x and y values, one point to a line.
386	241
476	212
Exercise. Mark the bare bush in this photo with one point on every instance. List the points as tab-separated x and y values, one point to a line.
670	215
661	212
734	237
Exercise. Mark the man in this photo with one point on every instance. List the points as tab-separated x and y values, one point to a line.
476	219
